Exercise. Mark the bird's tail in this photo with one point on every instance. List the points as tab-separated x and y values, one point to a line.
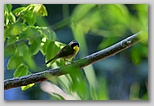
50	60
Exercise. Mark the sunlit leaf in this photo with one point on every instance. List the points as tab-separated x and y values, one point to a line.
40	10
13	30
9	17
27	86
16	29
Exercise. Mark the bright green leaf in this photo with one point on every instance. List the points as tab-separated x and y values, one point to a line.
40	9
22	70
30	17
13	31
27	86
9	50
21	49
28	32
14	62
29	60
49	34
78	83
52	49
11	40
19	10
9	17
35	46
16	29
145	96
8	7
44	46
12	18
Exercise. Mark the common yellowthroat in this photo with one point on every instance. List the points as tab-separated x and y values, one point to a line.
67	52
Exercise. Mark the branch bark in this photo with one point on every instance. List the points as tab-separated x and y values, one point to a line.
52	73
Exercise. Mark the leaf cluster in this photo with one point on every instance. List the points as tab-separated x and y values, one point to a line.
23	38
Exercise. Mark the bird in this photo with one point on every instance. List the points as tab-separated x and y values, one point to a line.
67	52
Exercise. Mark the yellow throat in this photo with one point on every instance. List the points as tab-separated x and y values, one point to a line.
76	48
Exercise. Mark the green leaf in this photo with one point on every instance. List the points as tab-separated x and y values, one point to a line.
11	40
9	50
29	60
22	70
6	20
22	49
8	7
78	83
14	62
40	9
28	32
61	62
35	46
11	17
30	17
16	29
52	50
145	96
44	46
49	34
136	55
19	10
11	31
27	86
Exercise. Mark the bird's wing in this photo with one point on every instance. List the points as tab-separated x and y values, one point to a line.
64	52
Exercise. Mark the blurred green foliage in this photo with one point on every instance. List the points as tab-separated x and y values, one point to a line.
95	27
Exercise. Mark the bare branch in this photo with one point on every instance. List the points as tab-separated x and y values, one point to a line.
52	73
